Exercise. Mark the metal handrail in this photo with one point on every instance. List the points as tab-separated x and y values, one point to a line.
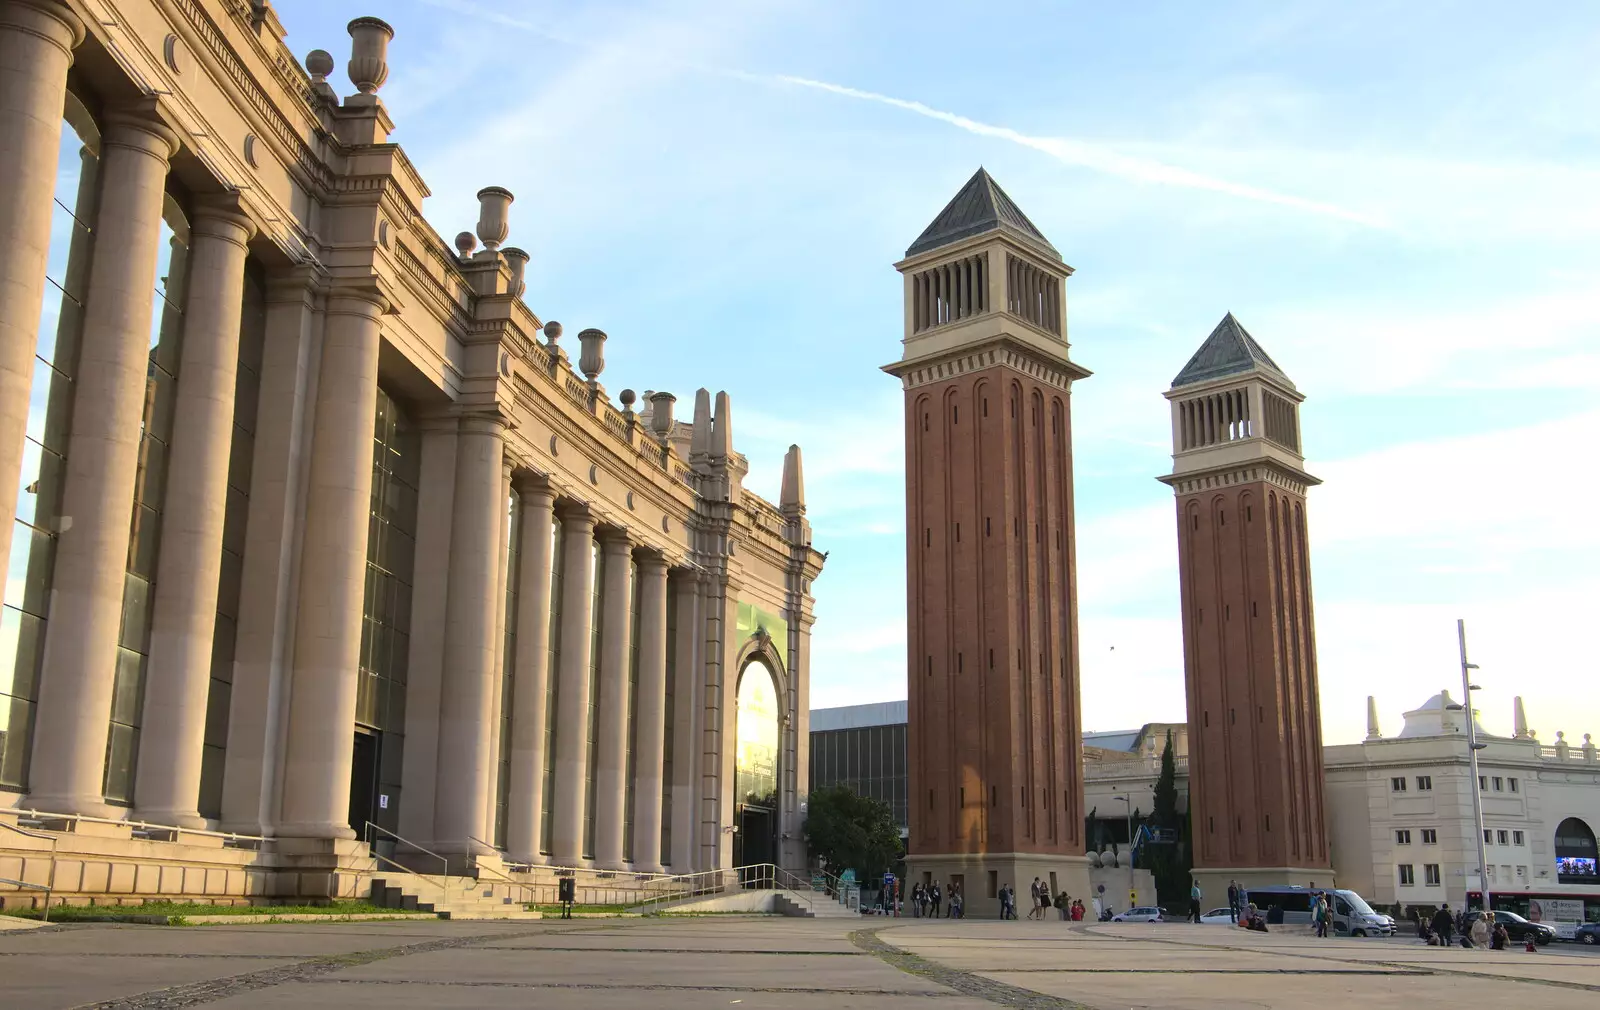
49	887
495	875
372	845
51	815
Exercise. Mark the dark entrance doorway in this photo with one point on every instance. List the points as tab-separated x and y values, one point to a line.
756	841
364	782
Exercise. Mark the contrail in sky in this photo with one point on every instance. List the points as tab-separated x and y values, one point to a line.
1075	153
1081	154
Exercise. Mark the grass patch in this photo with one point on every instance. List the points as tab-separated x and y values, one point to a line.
591	909
178	910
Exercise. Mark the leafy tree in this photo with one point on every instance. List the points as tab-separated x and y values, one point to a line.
848	830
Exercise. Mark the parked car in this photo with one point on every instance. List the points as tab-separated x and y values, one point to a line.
1141	913
1218	917
1519	928
1588	932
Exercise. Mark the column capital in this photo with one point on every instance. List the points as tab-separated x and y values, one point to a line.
51	20
615	541
300	283
221	216
481	423
139	125
528	484
353	293
651	561
575	512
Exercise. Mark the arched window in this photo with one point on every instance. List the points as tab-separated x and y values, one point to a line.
31	565
1575	852
755	775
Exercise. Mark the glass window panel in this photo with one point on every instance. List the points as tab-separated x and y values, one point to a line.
136	598
146	541
217	702
16	734
241	455
39	486
152	469
222	639
395	714
161	396
228	582
29	568
122	745
212	760
126	687
366	645
366	700
402	606
21	651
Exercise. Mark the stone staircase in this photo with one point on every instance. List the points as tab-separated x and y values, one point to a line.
449	897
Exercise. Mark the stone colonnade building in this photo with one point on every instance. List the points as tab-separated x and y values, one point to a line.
307	528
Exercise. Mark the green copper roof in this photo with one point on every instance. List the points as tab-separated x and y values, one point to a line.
981	206
1230	350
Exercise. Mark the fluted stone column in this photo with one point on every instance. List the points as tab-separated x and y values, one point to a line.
327	647
263	643
465	728
651	708
610	787
572	705
497	683
36	42
102	462
173	727
688	714
532	672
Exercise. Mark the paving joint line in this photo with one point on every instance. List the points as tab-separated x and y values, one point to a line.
1414	968
192	994
965	982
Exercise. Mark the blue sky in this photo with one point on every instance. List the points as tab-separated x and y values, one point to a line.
1399	201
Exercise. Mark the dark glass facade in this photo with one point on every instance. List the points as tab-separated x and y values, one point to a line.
869	759
386	621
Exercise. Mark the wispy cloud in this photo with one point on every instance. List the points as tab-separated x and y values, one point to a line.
1098	157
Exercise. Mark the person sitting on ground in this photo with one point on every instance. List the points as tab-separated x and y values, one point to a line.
1480	931
1500	938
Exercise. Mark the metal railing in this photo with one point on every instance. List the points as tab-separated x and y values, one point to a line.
419	881
49	886
710	883
41	819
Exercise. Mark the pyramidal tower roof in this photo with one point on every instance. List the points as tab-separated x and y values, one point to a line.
981	206
1230	350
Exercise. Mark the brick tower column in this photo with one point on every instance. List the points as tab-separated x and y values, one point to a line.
1250	665
994	737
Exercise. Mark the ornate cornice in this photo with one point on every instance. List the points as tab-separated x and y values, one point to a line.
1256	471
993	353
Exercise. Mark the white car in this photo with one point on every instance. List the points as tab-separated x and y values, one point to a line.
1140	914
1218	917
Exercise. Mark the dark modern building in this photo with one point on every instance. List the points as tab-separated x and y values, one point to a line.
863	747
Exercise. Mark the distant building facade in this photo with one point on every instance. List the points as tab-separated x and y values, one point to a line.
1400	810
1250	663
317	535
992	647
863	747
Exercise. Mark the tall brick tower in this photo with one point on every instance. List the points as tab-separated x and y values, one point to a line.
995	744
1250	659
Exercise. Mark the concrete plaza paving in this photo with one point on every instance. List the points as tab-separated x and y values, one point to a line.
751	962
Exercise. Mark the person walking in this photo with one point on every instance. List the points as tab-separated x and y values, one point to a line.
958	905
1194	903
1008	900
934	897
1233	900
1033	899
1044	901
1443	925
1319	915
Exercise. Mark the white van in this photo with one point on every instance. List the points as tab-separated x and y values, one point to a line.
1351	913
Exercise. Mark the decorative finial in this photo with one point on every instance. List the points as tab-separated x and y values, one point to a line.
319	64
722	427
592	360
552	333
661	413
517	260
465	243
368	66
1372	718
792	496
627	396
494	215
700	441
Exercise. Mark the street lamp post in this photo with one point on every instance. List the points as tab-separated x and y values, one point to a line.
1128	799
1473	747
